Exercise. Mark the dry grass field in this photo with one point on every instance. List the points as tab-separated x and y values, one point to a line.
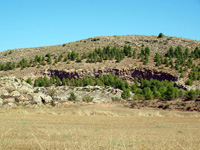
98	128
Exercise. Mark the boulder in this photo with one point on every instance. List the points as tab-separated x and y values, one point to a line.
9	100
41	98
1	101
15	94
11	104
4	92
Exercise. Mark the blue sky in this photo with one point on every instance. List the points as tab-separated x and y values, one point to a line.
32	23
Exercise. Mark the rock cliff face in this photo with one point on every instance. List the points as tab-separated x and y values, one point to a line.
125	74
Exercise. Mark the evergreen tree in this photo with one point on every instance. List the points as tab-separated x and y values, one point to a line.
84	56
161	35
99	82
134	54
60	57
191	95
58	81
63	81
186	53
170	93
147	51
73	55
126	93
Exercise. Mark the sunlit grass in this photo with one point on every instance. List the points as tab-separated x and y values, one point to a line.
110	128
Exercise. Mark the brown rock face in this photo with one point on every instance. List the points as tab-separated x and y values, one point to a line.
125	74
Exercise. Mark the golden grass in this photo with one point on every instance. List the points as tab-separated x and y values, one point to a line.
96	128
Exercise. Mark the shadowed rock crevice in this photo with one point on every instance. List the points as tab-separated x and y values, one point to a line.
125	74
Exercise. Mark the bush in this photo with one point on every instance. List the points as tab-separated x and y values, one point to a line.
161	35
170	93
116	99
88	99
181	76
191	95
72	97
126	94
29	81
166	106
188	82
95	39
52	103
135	97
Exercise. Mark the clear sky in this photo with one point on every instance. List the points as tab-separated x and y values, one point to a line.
32	23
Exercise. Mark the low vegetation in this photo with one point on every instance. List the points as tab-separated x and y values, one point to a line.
143	89
175	59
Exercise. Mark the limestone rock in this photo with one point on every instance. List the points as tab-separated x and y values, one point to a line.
41	98
9	100
4	92
1	101
15	94
10	104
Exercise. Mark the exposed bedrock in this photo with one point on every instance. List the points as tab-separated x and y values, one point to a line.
125	74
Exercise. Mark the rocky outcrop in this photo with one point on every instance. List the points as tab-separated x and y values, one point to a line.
15	92
126	74
97	93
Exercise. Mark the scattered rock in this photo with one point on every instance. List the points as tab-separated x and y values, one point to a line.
9	100
15	94
4	92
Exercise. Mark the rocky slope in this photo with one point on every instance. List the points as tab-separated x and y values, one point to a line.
15	92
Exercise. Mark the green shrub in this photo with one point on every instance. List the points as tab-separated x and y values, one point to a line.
52	103
116	99
72	97
95	39
88	99
161	35
191	95
189	82
29	81
181	76
126	94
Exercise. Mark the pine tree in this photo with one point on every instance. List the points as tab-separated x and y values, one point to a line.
126	93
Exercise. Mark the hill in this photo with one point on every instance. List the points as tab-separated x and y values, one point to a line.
116	61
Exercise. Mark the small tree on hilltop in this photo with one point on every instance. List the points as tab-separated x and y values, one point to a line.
161	35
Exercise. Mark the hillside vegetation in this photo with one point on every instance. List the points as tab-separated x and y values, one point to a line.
160	45
143	67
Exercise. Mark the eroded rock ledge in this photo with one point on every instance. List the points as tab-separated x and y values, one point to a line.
125	74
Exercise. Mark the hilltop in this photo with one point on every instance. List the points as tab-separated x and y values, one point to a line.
160	45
